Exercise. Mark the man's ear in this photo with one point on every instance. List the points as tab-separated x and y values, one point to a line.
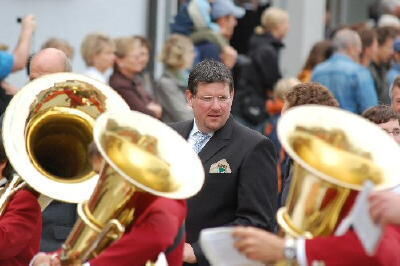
189	97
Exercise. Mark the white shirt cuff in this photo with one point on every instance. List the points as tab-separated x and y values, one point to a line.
301	252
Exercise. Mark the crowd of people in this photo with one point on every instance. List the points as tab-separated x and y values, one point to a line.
226	100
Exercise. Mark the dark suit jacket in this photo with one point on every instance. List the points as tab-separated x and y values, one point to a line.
20	229
246	196
58	220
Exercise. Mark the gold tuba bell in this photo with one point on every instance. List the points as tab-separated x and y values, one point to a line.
141	154
334	153
47	129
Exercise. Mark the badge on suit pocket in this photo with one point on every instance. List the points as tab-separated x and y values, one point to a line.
220	167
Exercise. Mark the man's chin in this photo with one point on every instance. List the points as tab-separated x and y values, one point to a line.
214	126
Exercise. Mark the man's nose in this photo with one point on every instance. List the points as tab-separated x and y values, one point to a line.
215	104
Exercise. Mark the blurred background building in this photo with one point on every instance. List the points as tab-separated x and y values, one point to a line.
71	20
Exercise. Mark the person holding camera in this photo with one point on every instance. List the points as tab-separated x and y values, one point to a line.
11	62
16	60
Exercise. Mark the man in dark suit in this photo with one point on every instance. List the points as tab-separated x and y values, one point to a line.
58	217
241	185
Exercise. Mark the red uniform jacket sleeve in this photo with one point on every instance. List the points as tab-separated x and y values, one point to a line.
152	233
20	229
348	250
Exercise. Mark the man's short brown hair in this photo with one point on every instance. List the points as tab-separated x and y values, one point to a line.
384	33
310	93
380	114
367	37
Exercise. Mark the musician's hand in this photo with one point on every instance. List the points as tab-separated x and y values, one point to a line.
188	254
384	207
258	244
43	259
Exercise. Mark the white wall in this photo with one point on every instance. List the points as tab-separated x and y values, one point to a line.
71	20
306	28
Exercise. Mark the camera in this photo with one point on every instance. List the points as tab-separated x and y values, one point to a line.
19	19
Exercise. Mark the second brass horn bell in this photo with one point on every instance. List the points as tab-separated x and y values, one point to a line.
141	154
47	129
334	153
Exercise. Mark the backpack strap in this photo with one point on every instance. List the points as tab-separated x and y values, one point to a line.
178	239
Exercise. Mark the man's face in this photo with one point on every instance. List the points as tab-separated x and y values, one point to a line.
211	105
386	51
227	25
392	127
396	99
373	49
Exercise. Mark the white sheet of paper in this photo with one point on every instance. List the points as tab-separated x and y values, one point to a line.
367	231
217	245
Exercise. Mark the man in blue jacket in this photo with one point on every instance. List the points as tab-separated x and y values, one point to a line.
350	82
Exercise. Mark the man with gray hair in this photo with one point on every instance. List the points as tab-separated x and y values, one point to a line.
350	82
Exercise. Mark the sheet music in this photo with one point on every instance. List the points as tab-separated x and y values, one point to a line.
367	231
217	245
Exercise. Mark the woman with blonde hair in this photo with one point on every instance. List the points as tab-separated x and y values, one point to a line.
132	57
98	53
177	57
258	78
264	49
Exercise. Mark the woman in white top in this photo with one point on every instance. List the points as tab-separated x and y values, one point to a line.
98	53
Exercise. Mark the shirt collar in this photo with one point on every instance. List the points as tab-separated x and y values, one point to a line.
195	129
342	56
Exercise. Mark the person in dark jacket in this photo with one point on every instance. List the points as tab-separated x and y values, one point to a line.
240	186
264	47
259	77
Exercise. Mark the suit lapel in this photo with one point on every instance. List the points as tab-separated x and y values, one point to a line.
219	140
183	128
